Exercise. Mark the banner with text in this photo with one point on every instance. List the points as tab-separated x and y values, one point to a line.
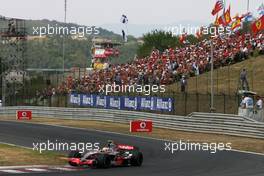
123	102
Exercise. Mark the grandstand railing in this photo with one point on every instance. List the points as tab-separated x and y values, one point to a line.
215	123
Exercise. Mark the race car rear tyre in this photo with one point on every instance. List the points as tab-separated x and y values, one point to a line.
137	159
103	161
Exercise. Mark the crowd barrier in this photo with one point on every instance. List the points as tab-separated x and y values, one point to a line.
257	115
215	123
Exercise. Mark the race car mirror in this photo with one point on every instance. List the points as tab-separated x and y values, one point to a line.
141	126
24	115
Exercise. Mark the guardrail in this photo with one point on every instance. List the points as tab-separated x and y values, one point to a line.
196	122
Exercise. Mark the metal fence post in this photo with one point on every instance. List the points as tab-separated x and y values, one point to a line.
252	79
228	72
224	103
185	103
196	83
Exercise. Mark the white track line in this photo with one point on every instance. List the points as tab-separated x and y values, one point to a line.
37	169
22	167
64	168
11	171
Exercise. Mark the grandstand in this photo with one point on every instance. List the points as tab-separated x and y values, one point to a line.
80	97
231	54
167	67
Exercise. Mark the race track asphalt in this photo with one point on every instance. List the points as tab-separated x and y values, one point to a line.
157	162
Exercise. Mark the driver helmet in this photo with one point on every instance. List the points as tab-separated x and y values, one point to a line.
110	144
105	149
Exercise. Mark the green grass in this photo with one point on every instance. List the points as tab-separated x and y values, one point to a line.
13	155
226	86
226	79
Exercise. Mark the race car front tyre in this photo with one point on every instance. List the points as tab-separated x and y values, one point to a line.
137	159
103	161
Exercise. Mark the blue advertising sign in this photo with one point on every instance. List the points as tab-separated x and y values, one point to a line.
164	104
131	103
75	99
88	100
147	103
115	102
101	101
123	102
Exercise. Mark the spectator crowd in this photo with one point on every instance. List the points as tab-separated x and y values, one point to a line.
169	66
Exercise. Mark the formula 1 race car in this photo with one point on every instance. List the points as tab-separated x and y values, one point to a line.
111	155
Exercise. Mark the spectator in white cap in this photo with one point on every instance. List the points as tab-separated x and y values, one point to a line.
259	103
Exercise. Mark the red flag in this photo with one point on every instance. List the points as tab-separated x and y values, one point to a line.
227	17
218	6
221	20
199	33
258	25
182	38
236	24
216	23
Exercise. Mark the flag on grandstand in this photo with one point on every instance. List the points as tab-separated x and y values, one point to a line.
124	19
124	36
258	25
261	9
228	19
216	23
219	5
236	24
248	17
221	20
199	33
182	38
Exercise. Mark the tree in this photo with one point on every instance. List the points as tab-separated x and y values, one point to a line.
159	40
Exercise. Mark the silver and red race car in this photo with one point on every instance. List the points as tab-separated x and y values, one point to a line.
111	155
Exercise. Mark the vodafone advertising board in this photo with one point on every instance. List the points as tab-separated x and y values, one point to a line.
24	115
141	126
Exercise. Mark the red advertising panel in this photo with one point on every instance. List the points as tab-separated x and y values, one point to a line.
24	115
141	126
109	52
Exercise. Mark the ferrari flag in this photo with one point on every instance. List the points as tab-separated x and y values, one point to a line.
258	25
221	21
216	23
227	17
237	23
219	5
